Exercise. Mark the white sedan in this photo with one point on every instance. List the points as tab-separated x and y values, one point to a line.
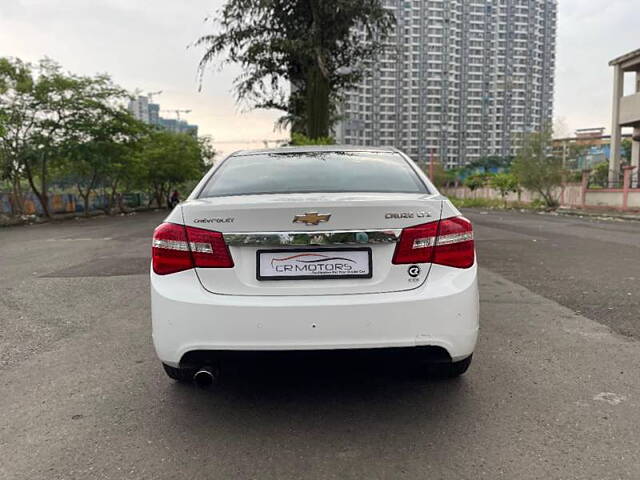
313	248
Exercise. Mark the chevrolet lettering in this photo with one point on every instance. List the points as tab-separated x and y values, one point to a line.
213	220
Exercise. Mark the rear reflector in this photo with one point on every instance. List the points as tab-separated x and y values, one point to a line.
448	242
208	249
416	244
177	248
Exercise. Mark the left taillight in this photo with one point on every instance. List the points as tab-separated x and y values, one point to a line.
177	248
170	251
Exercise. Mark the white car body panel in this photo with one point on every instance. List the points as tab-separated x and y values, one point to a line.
216	309
443	312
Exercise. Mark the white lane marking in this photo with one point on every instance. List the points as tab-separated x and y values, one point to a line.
610	398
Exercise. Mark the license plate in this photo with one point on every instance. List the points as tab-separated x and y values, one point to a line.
317	264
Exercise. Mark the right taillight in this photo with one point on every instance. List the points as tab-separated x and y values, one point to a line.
447	242
177	248
454	246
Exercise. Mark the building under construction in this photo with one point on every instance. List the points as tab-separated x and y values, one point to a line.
146	111
587	148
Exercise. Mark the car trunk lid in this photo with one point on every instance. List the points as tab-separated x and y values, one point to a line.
311	232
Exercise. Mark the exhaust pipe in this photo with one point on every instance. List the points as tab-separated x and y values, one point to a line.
206	376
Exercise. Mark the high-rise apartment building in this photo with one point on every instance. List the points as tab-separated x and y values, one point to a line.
460	80
139	108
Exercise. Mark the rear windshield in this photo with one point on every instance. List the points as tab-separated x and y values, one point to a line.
314	172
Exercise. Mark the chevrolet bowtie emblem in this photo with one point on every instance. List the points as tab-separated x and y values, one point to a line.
312	218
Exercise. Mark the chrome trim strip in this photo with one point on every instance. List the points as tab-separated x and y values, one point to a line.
170	244
332	237
198	247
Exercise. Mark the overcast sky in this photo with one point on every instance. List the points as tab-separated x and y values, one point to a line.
143	45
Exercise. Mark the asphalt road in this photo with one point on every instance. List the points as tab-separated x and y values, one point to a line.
590	266
553	393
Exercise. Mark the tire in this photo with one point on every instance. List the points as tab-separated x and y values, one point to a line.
179	374
449	370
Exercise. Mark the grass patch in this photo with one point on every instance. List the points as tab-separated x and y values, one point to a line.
494	204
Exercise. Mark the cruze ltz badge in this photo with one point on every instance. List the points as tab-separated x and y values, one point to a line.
406	215
312	218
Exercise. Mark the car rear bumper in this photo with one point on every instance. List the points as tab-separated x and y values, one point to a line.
443	312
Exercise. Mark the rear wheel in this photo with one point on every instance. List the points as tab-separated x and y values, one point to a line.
450	369
179	374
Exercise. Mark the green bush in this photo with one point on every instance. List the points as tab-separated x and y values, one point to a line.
495	204
473	182
536	168
505	183
600	175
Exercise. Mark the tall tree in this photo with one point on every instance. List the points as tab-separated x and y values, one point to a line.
207	151
167	160
16	115
100	149
36	106
53	117
50	106
298	55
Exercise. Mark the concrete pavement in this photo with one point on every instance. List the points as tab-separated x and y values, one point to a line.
551	393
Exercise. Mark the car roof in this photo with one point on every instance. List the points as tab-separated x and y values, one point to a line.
316	148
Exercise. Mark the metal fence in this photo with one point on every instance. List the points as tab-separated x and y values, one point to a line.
65	203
